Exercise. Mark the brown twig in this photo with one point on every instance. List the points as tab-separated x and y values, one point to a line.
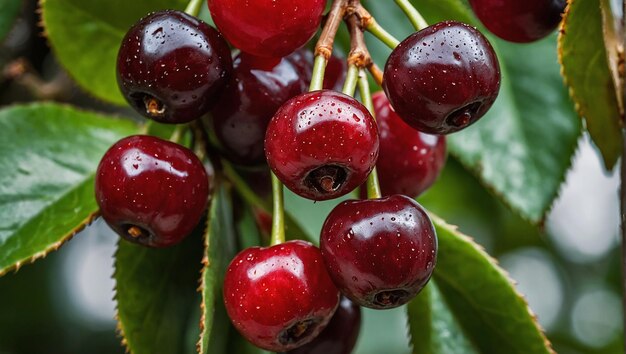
21	72
324	46
359	55
376	72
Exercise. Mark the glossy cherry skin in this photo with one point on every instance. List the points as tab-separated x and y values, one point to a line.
322	144
267	28
151	191
379	252
280	297
341	333
409	161
171	65
443	78
519	21
258	87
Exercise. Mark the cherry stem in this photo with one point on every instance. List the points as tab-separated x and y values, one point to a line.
278	215
319	68
242	187
373	187
376	73
414	16
324	46
178	133
193	8
369	23
352	78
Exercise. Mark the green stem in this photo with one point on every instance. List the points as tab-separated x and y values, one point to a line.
193	8
373	187
178	133
414	16
242	187
352	78
319	68
278	215
384	36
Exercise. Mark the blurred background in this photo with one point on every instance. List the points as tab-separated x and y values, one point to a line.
568	270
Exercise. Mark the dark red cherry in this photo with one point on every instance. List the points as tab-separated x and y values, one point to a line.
322	144
171	65
151	191
257	89
443	78
379	252
519	21
280	297
335	72
340	336
267	28
409	161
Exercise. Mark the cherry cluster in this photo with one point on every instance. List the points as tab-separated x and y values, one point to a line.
276	102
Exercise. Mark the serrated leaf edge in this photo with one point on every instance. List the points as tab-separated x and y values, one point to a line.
512	283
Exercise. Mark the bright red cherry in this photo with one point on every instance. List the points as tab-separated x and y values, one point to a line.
151	191
340	336
170	66
322	144
280	297
267	28
519	21
409	161
379	252
443	78
257	89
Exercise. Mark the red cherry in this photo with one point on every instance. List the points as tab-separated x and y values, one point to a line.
171	65
267	28
409	161
151	191
379	252
340	336
519	21
257	89
280	297
443	78
322	144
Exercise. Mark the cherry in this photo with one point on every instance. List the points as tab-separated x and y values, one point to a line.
267	28
151	191
257	89
279	297
409	161
519	21
170	66
379	252
443	78
341	333
322	144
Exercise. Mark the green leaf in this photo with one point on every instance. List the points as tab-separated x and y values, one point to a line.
219	250
522	148
433	327
9	9
587	73
156	294
86	36
489	310
48	158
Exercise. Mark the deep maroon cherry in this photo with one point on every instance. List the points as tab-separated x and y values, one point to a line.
267	28
257	89
340	336
443	78
280	297
170	66
409	161
322	144
379	252
151	191
519	21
